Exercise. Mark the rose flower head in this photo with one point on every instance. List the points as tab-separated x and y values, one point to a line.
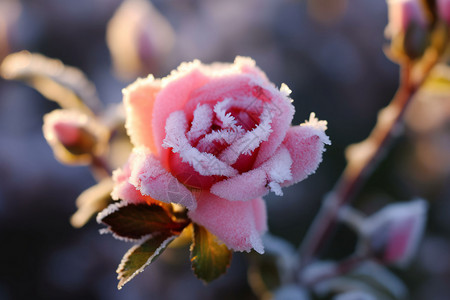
216	139
74	137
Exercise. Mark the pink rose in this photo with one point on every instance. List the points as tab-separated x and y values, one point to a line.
216	138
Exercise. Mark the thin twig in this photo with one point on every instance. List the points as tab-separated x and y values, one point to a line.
364	157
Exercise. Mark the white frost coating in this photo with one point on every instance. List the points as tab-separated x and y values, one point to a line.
148	262
276	188
320	125
205	164
280	170
250	140
285	89
228	121
281	166
256	242
223	136
112	208
202	122
109	210
144	166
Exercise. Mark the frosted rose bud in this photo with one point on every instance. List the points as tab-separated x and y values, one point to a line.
215	139
402	13
443	8
139	38
395	231
74	136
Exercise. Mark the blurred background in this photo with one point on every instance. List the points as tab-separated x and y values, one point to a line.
330	54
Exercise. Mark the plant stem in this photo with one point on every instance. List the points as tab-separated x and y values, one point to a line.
364	157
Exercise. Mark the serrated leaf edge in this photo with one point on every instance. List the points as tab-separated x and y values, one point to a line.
148	262
112	208
108	230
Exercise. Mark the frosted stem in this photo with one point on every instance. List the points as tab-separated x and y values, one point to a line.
364	157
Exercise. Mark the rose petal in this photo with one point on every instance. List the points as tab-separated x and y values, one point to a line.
215	141
238	224
260	214
281	112
202	122
203	163
139	99
228	81
306	145
243	187
228	121
151	179
247	143
256	183
123	190
177	89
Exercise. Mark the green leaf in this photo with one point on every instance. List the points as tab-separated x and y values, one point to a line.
67	86
140	256
134	221
209	257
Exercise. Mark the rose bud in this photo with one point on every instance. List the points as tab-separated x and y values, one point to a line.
139	39
402	13
395	231
74	137
407	27
443	8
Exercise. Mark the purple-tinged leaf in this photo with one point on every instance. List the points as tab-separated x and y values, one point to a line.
209	257
141	255
134	221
